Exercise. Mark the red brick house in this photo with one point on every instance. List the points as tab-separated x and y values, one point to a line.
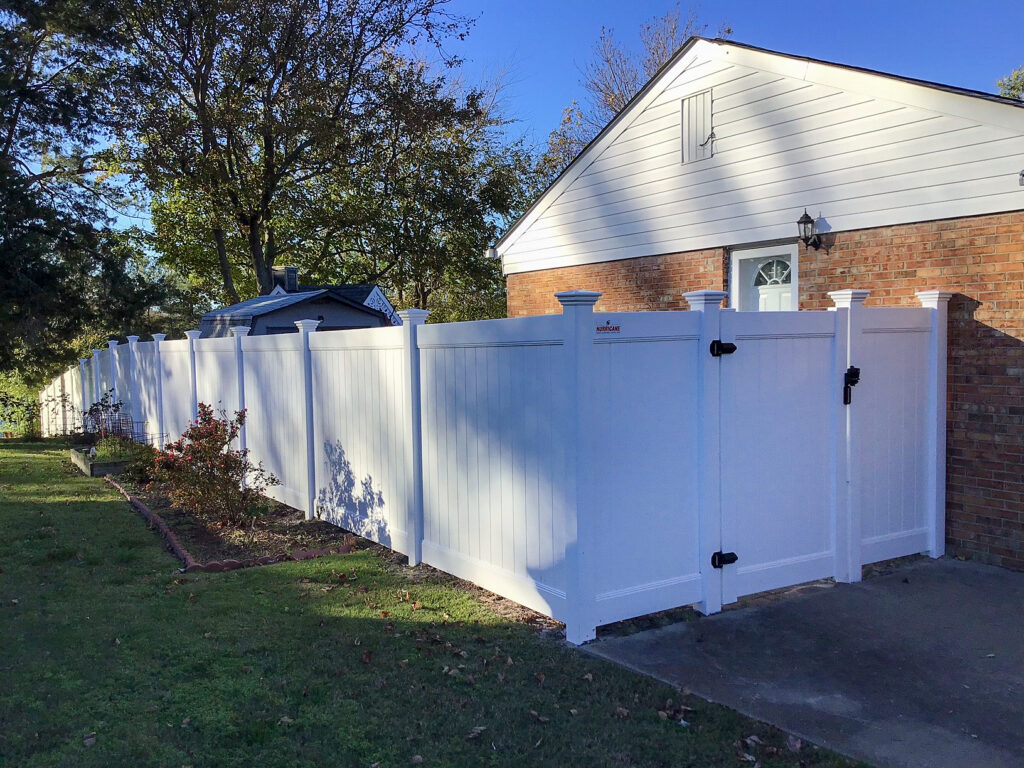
700	181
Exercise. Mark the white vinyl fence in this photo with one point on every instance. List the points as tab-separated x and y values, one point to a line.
592	466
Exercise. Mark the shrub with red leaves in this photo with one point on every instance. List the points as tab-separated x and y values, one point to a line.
204	475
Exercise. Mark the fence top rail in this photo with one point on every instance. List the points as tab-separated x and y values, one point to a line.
652	326
275	342
517	331
896	319
220	344
173	347
767	325
357	338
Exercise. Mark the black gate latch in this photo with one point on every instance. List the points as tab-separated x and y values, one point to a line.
719	348
850	379
722	559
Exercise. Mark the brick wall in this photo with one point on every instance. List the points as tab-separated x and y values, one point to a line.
981	259
629	285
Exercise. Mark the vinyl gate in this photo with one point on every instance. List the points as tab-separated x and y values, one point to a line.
593	466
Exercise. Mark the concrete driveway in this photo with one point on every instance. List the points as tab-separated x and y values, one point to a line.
922	667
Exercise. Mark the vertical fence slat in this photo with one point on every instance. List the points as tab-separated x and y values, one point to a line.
708	303
935	454
578	308
849	536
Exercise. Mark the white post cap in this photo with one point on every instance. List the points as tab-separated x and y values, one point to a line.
193	334
133	339
848	297
159	337
96	353
112	343
413	316
933	298
239	330
578	298
699	300
305	326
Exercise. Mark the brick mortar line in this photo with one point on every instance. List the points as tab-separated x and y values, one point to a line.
216	566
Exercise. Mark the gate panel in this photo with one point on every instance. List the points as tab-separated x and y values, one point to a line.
779	410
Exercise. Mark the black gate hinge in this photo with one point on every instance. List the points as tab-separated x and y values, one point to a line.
850	380
721	559
719	348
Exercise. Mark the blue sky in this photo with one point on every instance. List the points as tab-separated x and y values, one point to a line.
539	45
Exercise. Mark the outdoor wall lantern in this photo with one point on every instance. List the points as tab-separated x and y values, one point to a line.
808	236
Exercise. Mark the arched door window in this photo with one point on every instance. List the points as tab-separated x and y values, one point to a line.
773	272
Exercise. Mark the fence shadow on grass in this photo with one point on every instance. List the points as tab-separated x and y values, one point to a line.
344	501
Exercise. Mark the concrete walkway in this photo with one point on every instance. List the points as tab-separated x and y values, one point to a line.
922	667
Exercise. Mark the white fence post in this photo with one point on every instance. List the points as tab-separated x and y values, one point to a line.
112	352
96	391
709	304
307	327
578	309
238	332
83	380
133	384
193	383
63	404
849	557
411	319
935	492
157	338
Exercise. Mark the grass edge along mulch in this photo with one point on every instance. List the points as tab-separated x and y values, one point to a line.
191	565
110	657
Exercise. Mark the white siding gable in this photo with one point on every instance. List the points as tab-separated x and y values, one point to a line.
859	149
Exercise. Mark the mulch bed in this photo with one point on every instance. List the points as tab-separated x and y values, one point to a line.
285	534
282	534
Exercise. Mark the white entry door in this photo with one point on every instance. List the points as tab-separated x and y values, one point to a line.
764	279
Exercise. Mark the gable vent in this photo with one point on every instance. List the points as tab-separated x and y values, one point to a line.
698	128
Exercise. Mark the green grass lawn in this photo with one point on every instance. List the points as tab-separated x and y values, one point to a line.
288	665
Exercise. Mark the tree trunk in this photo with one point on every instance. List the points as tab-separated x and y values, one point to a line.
225	266
253	227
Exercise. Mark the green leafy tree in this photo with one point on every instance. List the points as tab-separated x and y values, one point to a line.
64	269
1012	86
237	107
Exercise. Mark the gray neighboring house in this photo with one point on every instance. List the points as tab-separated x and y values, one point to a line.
337	307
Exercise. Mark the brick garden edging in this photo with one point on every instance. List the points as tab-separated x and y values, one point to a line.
217	566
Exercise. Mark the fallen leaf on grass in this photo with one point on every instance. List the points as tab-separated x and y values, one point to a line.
185	722
285	720
416	760
588	677
385	614
89	739
621	713
574	712
794	744
475	733
538	717
366	657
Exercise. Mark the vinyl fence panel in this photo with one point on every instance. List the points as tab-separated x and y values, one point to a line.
495	456
361	431
275	421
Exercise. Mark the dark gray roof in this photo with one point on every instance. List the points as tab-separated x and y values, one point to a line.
353	292
245	311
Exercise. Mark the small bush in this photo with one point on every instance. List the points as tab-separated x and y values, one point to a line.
113	448
203	475
142	464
